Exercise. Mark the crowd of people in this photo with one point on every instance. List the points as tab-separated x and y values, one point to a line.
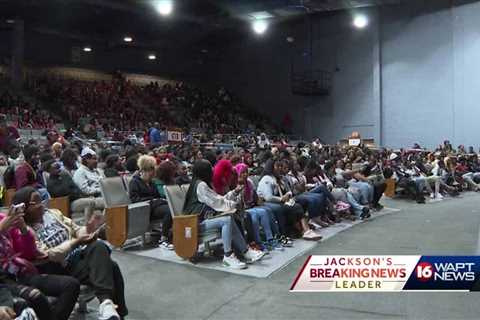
120	105
23	114
260	194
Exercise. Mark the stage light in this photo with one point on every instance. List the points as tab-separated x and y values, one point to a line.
152	57
87	49
128	39
259	26
164	7
360	21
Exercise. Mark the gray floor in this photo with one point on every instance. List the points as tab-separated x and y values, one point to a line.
162	290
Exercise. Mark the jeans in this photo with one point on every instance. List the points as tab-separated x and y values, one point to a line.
313	202
230	233
260	216
285	215
64	288
365	190
162	212
322	189
92	203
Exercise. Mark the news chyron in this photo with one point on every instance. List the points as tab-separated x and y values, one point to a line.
388	273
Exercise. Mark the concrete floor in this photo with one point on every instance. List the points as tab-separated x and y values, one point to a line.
162	290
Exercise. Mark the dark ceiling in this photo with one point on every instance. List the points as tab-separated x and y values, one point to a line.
193	24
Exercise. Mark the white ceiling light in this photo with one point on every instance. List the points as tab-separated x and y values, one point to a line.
164	7
259	26
360	21
152	57
87	49
128	39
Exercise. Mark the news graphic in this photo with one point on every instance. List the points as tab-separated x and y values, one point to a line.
388	273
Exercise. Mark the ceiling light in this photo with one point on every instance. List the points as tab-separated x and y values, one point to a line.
259	26
360	21
152	57
87	49
10	21
164	7
128	39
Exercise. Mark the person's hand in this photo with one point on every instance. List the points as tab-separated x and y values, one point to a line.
286	197
96	220
239	189
12	219
6	313
86	238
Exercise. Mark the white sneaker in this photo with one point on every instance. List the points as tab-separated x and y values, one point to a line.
107	311
432	195
253	255
166	245
311	236
233	262
439	196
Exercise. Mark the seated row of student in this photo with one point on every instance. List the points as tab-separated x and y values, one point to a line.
65	248
202	200
290	215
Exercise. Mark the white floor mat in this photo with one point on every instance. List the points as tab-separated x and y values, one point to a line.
271	263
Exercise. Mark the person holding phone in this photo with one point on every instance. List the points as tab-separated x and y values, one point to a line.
23	279
75	251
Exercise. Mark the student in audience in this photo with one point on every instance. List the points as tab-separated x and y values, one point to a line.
290	215
8	134
17	240
74	250
57	150
26	173
182	174
60	184
142	188
87	177
113	166
202	200
260	215
69	161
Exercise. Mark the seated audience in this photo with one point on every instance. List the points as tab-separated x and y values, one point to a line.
73	250
202	200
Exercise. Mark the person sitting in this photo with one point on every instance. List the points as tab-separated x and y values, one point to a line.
259	215
87	177
203	201
142	188
273	188
24	280
113	166
69	161
182	174
26	173
73	250
60	184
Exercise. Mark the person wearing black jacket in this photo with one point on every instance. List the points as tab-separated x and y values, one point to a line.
141	189
60	184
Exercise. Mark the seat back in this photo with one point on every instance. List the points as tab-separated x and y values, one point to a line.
176	195
126	181
61	203
114	192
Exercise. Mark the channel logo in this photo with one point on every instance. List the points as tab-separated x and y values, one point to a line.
388	273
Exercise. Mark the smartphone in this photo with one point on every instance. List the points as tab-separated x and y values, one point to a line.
18	208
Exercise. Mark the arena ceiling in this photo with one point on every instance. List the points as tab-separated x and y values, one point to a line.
199	24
